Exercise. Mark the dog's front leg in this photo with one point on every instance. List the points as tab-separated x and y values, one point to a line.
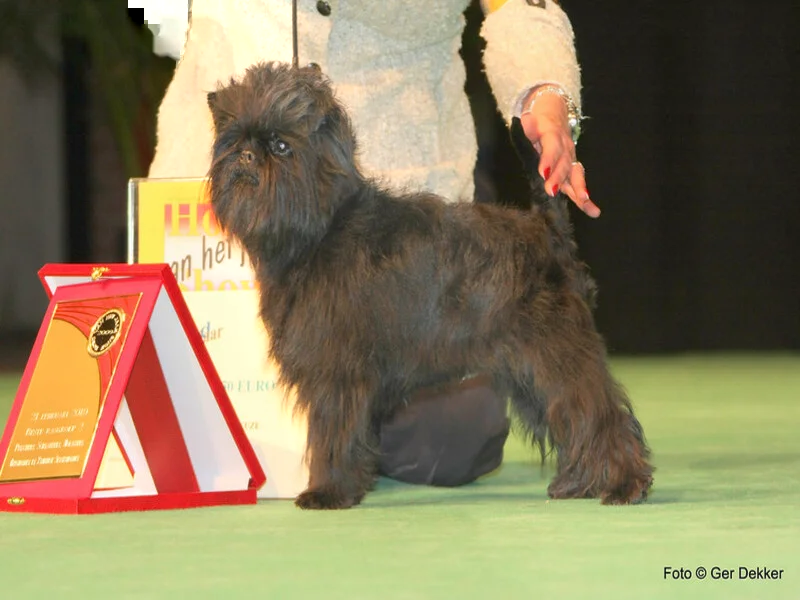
341	461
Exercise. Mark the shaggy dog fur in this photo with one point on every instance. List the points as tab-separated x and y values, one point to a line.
368	295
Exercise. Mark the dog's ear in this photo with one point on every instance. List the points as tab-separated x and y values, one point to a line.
334	133
335	121
218	116
211	98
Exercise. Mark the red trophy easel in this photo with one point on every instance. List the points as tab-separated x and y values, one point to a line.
120	407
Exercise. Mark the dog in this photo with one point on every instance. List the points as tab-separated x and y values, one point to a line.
369	294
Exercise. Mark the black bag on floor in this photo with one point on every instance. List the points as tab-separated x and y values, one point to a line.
446	436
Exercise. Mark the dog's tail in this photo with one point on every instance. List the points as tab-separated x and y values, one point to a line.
530	163
555	210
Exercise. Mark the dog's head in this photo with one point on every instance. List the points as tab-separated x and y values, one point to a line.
283	156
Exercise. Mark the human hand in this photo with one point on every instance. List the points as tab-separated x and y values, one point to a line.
547	127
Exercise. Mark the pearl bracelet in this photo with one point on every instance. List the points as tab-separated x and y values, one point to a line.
574	116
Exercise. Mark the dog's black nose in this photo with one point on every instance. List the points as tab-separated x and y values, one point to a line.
247	157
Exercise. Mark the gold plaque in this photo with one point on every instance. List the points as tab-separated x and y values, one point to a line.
63	402
57	421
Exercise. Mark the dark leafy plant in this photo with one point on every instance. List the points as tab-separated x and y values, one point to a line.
125	74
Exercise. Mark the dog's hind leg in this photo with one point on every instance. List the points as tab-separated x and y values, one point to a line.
590	423
528	405
342	462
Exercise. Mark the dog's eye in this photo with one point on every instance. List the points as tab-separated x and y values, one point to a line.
278	147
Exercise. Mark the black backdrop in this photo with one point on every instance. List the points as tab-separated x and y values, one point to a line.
691	151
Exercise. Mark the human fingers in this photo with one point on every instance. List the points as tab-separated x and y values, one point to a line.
575	188
555	162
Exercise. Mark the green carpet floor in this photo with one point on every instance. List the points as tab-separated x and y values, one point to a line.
725	431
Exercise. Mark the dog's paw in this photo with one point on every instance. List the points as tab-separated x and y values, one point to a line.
633	492
325	498
562	488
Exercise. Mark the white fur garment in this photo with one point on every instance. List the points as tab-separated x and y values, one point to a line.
395	65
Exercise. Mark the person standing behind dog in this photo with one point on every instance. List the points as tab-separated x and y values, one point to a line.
396	67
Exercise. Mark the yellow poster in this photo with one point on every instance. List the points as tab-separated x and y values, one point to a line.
171	221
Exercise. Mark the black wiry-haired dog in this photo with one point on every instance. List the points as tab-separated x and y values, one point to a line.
368	295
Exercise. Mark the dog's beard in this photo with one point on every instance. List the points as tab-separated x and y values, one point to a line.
238	196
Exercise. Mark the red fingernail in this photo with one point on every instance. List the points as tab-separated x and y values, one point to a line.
546	172
586	191
555	189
